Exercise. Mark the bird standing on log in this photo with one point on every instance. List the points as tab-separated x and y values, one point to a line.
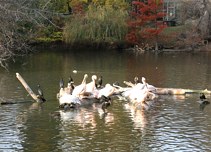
99	82
136	80
61	83
40	94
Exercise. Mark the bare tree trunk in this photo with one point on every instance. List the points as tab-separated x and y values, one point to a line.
204	25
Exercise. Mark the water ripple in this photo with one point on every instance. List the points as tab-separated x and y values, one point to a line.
10	135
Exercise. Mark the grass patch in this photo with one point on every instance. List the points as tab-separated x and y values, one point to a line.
175	29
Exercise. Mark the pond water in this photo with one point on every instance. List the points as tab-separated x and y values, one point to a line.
173	123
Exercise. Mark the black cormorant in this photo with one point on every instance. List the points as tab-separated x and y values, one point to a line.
40	94
202	96
136	80
203	99
70	80
99	82
61	83
106	102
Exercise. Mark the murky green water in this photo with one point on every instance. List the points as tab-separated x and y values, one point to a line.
174	123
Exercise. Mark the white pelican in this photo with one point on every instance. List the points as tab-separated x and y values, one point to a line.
90	87
140	93
150	88
134	91
107	91
68	99
80	89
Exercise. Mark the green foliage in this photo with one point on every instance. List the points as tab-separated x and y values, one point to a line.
116	4
99	24
55	36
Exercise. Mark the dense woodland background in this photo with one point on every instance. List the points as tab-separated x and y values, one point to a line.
27	23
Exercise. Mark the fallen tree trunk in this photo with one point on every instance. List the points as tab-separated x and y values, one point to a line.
179	91
11	102
173	91
4	102
26	86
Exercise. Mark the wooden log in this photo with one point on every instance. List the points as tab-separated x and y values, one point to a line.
179	91
173	91
3	101
12	102
130	84
26	86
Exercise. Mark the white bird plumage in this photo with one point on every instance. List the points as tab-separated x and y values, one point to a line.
149	88
91	86
68	99
108	90
80	89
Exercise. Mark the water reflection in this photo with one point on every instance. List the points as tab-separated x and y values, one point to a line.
36	106
87	121
81	117
87	116
137	116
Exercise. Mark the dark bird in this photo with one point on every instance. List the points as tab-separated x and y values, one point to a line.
70	80
61	83
40	93
106	102
203	99
39	90
202	96
70	83
100	82
136	80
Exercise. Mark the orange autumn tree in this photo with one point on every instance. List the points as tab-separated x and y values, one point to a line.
146	23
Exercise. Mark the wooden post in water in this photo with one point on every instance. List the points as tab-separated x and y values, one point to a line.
26	86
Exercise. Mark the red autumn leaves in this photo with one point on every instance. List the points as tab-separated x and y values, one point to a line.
146	21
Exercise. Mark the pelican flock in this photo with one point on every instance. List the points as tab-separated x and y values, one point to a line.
139	93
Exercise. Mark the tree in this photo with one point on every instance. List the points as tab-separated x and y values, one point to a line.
21	21
101	23
204	24
196	16
145	23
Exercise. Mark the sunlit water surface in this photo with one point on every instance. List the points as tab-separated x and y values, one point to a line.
173	123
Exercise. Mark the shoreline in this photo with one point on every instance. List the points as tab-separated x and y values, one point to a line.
117	46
